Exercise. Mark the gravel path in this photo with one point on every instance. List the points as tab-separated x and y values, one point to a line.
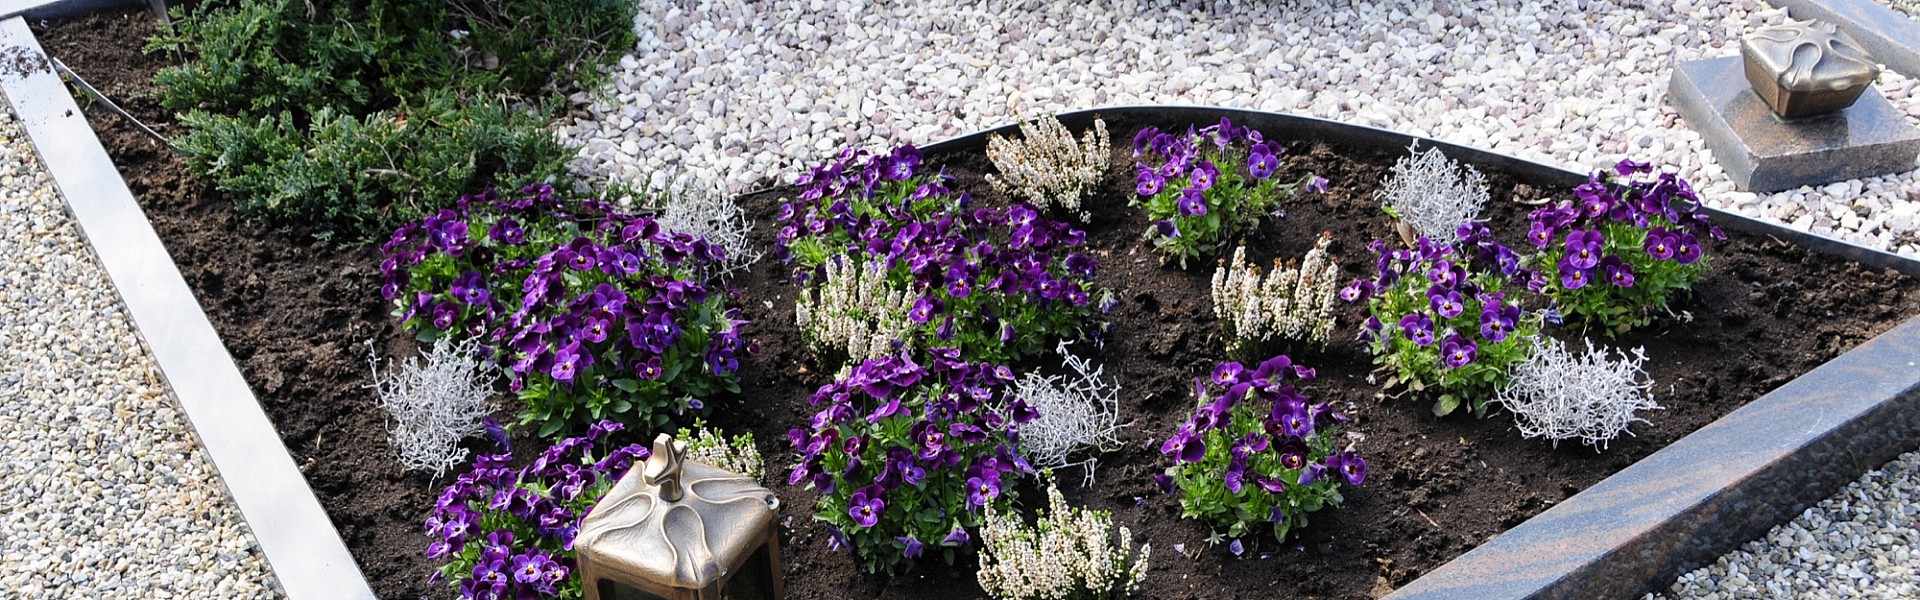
103	490
1861	543
1911	7
743	93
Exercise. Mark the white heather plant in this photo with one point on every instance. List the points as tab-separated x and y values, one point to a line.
1079	410
1559	395
855	312
1431	195
1291	303
1046	166
736	454
1069	553
436	403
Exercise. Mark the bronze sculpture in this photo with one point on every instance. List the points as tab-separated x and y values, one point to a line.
1804	69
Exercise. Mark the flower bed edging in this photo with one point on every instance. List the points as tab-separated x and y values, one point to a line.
1701	496
294	533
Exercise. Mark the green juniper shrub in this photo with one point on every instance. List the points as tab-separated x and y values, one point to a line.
348	118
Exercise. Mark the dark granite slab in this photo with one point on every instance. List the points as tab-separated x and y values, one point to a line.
294	533
1889	35
1692	501
1763	154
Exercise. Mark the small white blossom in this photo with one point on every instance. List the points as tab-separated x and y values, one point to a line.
1077	411
1068	553
736	454
1294	304
1558	395
1046	166
1433	195
435	404
680	205
855	311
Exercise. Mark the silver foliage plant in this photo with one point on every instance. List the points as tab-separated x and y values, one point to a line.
1068	553
1292	302
1079	410
1560	395
1046	166
680	204
1432	195
435	403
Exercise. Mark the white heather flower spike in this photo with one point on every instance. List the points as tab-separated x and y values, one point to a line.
736	454
435	404
1432	194
1559	396
855	311
1068	553
1290	304
1080	410
1046	166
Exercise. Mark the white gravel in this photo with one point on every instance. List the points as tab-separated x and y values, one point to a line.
1910	7
1861	543
103	490
743	92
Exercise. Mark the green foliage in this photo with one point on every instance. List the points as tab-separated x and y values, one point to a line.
1202	187
350	118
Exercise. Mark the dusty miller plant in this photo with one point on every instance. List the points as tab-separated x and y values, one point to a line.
1079	410
1046	166
1431	195
435	403
1069	553
1559	395
855	311
705	212
1291	303
736	454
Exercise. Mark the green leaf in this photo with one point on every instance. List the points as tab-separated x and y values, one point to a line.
626	385
1445	405
550	427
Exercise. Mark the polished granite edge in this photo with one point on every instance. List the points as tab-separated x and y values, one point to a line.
1891	37
1710	492
294	533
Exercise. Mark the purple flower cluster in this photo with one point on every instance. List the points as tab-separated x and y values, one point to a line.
508	533
1257	446
593	311
1439	315
995	283
1203	185
905	456
1622	246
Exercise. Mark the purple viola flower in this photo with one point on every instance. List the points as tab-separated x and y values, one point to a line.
1191	203
1418	328
923	309
957	537
1261	163
1572	277
1540	235
1458	351
1448	304
1236	477
867	506
1272	486
444	315
1227	374
1618	272
1628	166
529	567
1360	289
1687	250
1150	182
1311	473
1204	175
912	547
981	490
1584	248
1185	446
1660	243
566	363
1167	229
1021	413
1317	185
508	232
1143	140
1497	321
1294	422
1350	467
1446	274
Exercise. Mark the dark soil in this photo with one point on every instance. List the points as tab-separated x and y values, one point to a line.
296	315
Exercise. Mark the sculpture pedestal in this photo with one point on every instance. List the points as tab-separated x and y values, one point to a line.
1763	154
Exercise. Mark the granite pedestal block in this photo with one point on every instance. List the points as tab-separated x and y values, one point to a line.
1763	154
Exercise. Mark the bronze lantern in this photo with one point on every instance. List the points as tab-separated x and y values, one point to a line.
678	529
1805	69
